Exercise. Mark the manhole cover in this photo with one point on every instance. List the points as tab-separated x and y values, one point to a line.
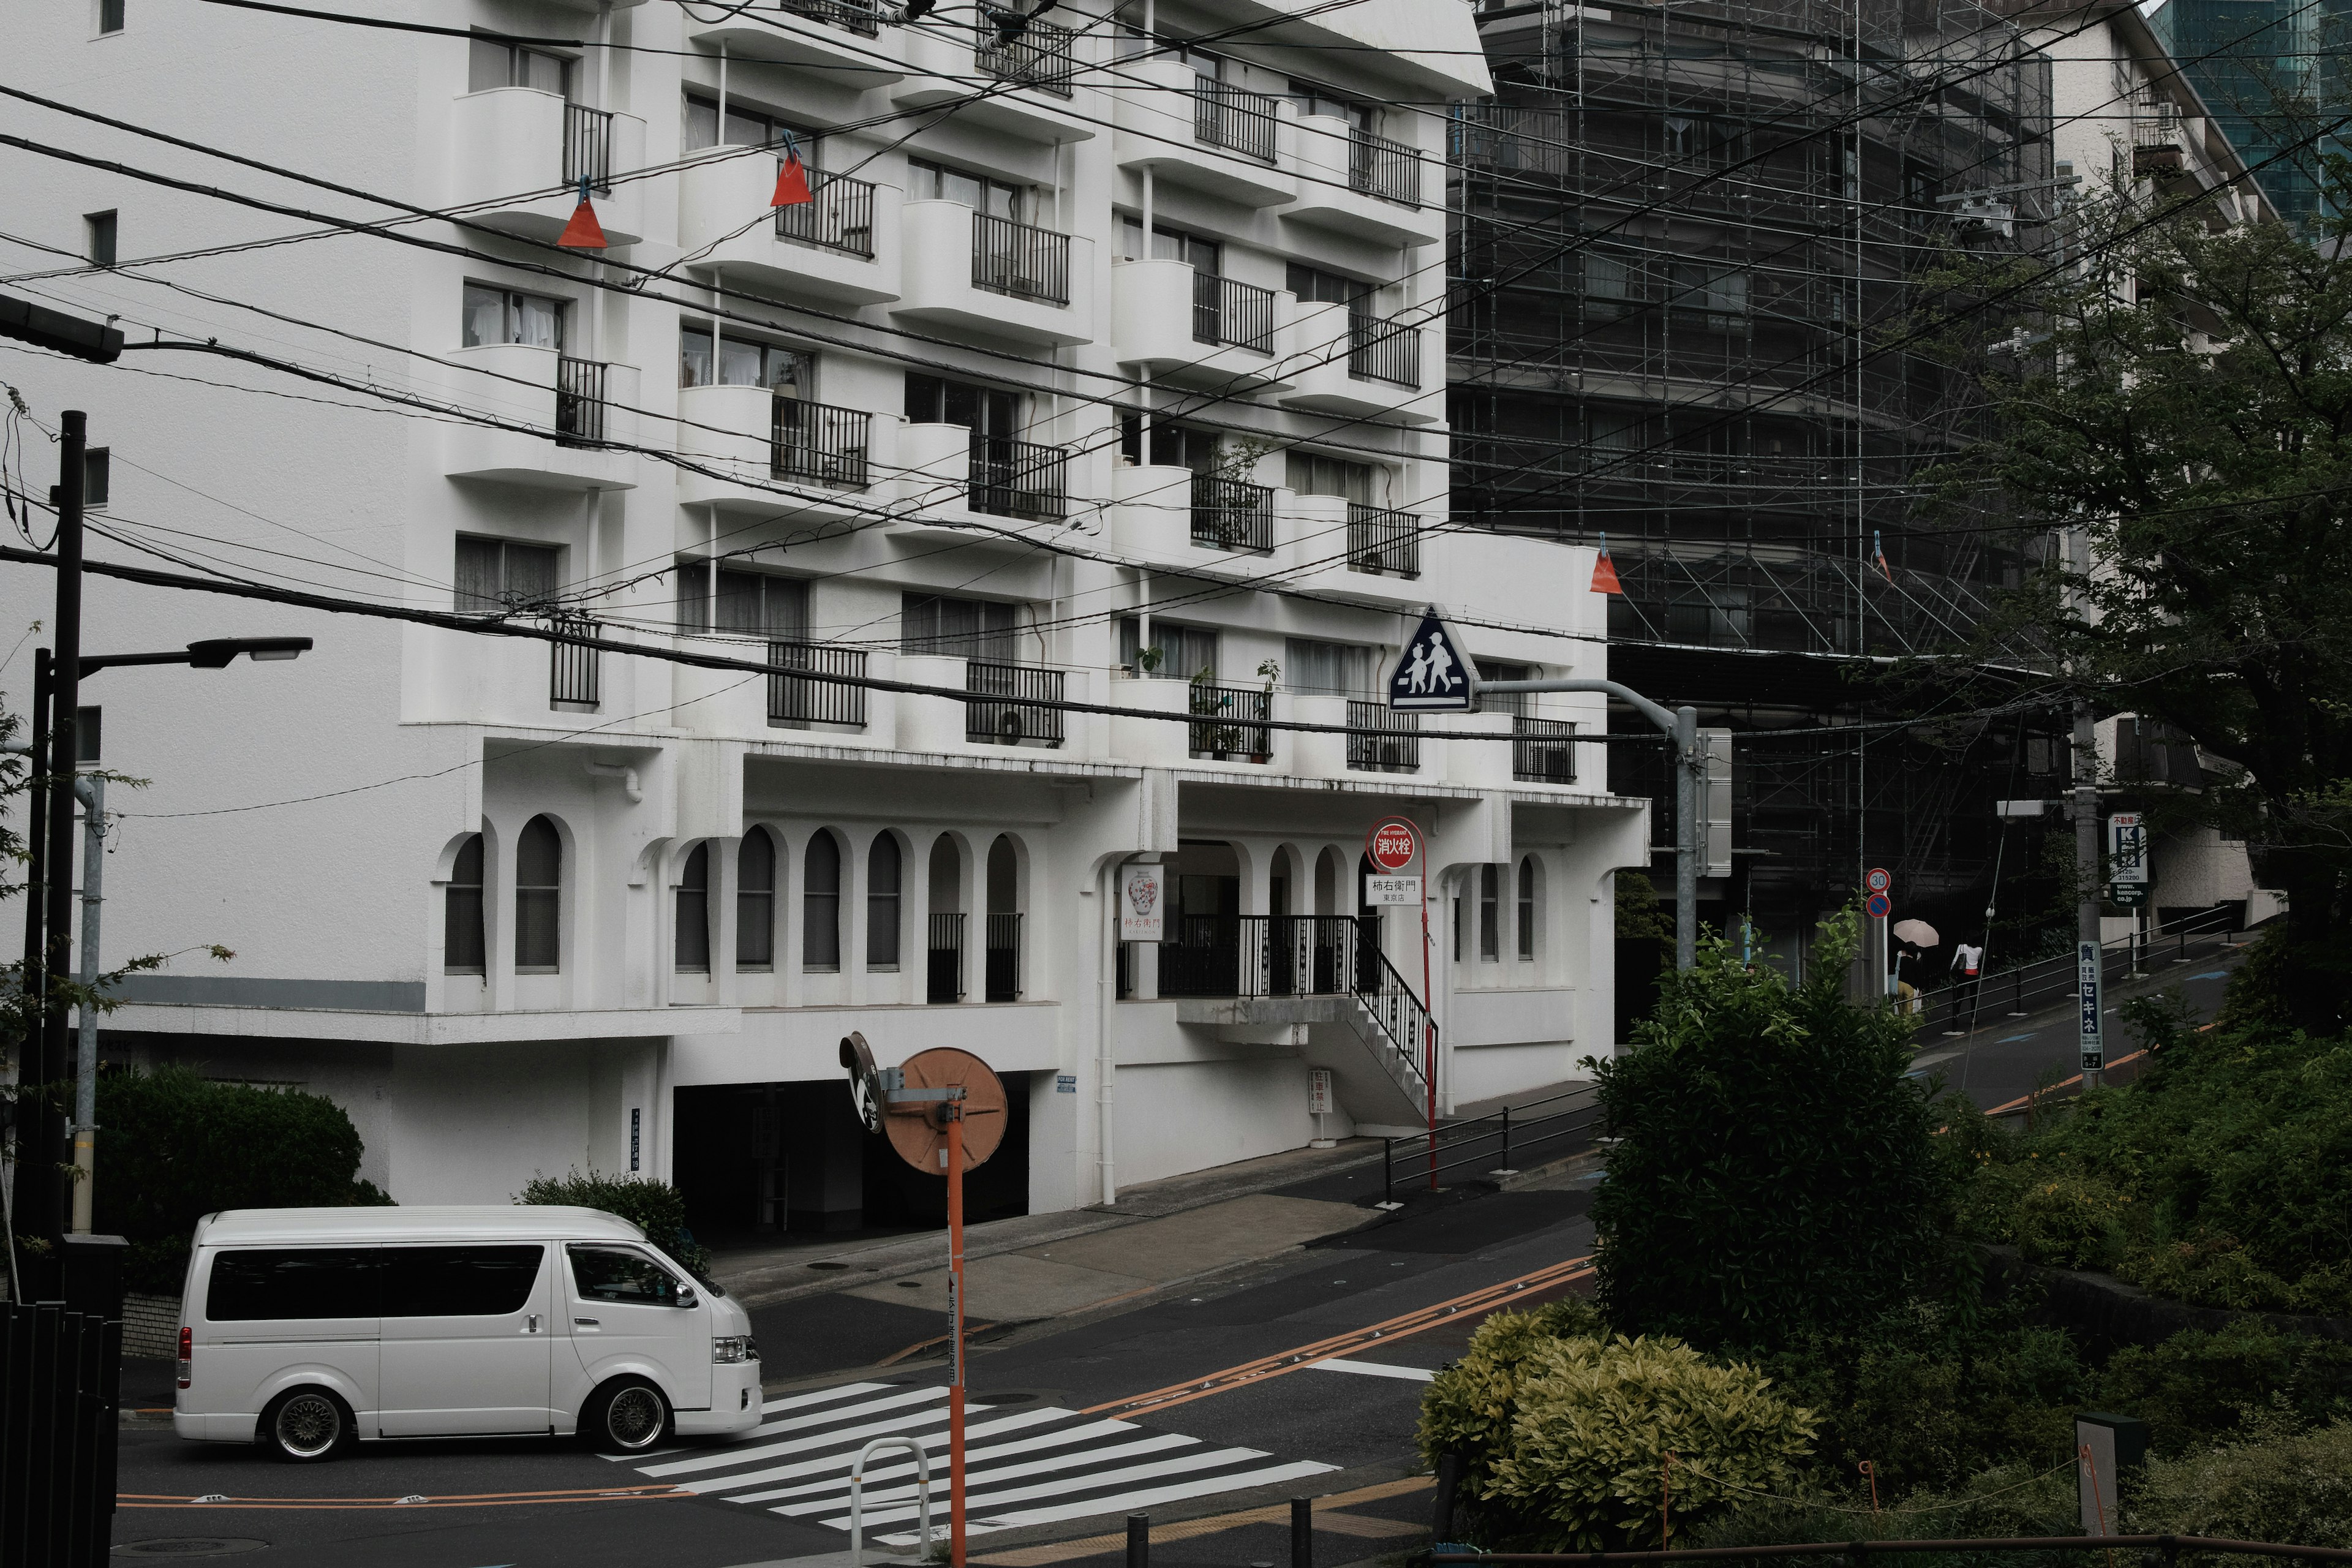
828	1266
190	1546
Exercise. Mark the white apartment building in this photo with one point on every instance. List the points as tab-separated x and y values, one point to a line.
1105	368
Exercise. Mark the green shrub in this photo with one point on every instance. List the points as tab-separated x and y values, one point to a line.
2198	1387
2291	1486
652	1207
1776	1172
1467	1409
2008	1500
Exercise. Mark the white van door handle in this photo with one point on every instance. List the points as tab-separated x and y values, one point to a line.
532	1324
586	1322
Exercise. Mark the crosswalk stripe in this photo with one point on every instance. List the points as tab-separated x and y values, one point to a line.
822	1396
1129	1503
986	1501
831	1434
840	1463
979	1476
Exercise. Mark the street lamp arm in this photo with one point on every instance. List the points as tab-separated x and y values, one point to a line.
1651	711
210	653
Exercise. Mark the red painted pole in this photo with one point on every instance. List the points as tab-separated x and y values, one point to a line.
955	1328
1429	1018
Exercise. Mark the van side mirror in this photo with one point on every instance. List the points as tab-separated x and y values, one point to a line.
687	1298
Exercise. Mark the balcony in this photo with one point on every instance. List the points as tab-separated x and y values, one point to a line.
1229	723
1343	362
795	703
567	416
1383	543
1166	514
1018	478
1393	746
1358	184
1232	514
989	275
1543	750
1002	974
943	978
574	674
841	41
841	247
1270	955
1002	709
753	451
518	155
1366	554
1203	134
944	58
1196	328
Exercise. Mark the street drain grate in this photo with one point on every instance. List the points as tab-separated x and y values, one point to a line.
189	1546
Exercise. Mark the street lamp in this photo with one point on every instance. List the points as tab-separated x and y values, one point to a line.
212	653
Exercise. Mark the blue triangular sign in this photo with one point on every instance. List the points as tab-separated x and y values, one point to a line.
1434	675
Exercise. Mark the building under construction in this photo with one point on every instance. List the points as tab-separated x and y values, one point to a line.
1693	241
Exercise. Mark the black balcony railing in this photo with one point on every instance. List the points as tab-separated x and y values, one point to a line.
1393	744
1380	167
588	148
944	962
1383	543
1004	705
818	441
1232	514
838	214
579	403
1229	722
573	671
847	14
1040	56
1018	478
1226	311
1202	956
1020	260
796	700
1003	969
1383	351
1543	750
1240	122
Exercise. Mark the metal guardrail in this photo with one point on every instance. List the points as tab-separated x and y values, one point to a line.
1528	1133
1229	721
1018	478
1543	750
792	700
838	214
862	20
996	712
818	441
588	147
944	958
2158	1551
1383	351
1001	979
1040	56
1020	260
2041	983
59	1388
574	674
580	402
1381	167
1239	121
1226	312
1382	542
1232	514
1383	741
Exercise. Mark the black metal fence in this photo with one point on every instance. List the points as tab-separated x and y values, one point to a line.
862	20
1232	514
943	975
1383	351
1230	721
819	441
1383	168
59	1386
792	700
1040	56
2022	989
1003	708
1383	741
1231	312
1382	542
588	148
1513	1139
838	214
1003	964
1020	260
1543	750
1239	121
2155	1551
580	402
574	674
1018	478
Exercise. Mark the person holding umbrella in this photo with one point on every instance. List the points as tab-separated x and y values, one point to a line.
1917	934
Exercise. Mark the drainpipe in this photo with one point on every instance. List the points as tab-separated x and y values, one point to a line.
1105	1039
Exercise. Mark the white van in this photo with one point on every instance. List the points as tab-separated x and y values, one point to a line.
305	1329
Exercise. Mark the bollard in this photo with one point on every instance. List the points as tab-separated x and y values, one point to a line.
1138	1540
1302	1533
1449	1481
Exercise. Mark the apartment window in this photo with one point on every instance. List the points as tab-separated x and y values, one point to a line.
821	905
883	862
539	897
494	63
1313	99
496	576
510	316
936	182
109	16
970	628
705	358
757	604
1315	287
755	901
1184	651
1312	474
746	126
935	400
463	950
1527	921
97	476
1490	914
1167	245
692	946
98	238
1328	668
1176	446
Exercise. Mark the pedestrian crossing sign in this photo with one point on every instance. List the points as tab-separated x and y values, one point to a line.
1434	674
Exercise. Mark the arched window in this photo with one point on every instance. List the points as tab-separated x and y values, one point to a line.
1004	976
882	862
821	905
1490	914
538	899
755	901
694	912
463	950
1528	907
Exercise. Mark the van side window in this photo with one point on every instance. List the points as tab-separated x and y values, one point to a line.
615	1274
458	1281
275	1284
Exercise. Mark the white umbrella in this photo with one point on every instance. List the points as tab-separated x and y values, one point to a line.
1918	933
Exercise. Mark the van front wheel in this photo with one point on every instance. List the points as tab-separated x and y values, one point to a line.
626	1415
304	1426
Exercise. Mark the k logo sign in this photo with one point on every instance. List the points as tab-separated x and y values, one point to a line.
1434	675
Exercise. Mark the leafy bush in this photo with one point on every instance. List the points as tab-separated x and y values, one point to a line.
2197	1386
2289	1486
1468	1408
652	1207
177	1146
1776	1172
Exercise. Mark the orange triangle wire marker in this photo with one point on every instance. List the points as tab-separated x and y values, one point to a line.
791	182
1604	574
584	232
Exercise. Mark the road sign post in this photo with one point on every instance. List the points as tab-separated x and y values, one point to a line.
1393	844
2090	997
1879	906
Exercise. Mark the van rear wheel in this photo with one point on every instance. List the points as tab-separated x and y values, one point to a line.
626	1415
305	1426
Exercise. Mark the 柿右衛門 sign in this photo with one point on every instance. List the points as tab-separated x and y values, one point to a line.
1142	913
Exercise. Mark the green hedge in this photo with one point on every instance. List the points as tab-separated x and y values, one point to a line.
652	1207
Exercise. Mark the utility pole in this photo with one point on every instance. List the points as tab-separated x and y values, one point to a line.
92	791
2091	970
47	1218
